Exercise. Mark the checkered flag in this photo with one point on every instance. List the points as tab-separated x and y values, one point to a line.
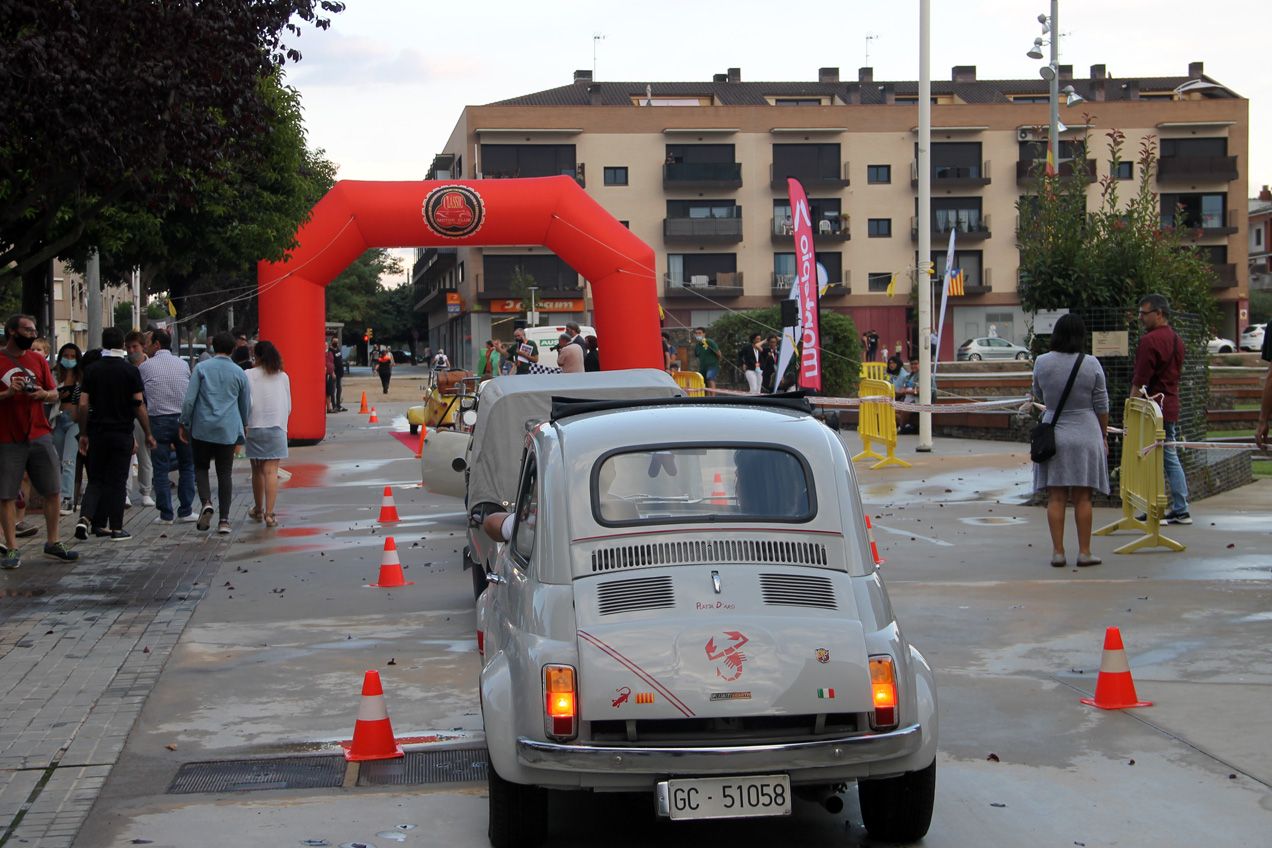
536	368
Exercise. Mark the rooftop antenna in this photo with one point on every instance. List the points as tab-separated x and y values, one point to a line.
596	36
870	36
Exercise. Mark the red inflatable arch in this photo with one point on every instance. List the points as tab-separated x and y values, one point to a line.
354	216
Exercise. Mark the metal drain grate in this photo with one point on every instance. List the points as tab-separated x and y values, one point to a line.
449	765
252	775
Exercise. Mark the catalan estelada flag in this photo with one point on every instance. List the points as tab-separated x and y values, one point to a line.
1051	163
956	282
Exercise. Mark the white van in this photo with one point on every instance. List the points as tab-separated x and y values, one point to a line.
546	338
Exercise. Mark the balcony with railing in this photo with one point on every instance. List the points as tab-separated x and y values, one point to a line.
1196	169
809	177
704	230
692	175
782	283
1225	275
1203	225
711	286
1028	170
969	228
578	172
954	176
824	230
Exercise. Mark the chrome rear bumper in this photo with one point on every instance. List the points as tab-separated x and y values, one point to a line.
823	753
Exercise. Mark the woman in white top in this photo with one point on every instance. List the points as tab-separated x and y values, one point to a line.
267	428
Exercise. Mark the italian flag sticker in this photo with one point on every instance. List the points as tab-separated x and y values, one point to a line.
825	693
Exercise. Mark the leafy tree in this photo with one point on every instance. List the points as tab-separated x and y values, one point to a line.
353	296
840	342
1112	256
127	105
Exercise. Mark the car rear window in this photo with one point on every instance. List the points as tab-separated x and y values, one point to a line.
658	485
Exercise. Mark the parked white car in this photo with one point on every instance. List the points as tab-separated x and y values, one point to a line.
990	347
686	605
1252	337
1218	345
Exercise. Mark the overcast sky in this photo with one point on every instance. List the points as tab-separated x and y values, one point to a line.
383	88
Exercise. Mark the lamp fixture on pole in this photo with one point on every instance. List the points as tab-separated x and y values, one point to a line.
1051	73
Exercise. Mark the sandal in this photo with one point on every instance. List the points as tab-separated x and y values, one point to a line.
270	520
1088	560
1058	561
255	513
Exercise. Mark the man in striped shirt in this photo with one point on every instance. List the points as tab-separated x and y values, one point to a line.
166	379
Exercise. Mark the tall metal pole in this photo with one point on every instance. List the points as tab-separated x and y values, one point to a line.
1054	138
136	297
921	278
93	275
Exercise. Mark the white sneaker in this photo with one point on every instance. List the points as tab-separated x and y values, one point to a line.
188	519
146	500
127	502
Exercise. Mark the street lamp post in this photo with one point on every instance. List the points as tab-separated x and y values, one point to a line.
1051	73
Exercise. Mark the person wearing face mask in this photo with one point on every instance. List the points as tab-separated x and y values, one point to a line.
135	347
26	440
65	422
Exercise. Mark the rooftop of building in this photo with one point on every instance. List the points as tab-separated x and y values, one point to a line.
728	89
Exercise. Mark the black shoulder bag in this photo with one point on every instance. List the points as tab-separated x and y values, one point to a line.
1042	439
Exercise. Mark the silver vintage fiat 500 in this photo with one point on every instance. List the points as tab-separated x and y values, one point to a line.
686	604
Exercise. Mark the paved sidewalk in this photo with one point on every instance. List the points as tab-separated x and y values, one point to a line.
81	645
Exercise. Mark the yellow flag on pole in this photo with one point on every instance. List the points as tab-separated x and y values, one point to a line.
892	286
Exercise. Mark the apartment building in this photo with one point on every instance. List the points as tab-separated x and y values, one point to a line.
70	306
698	170
1260	251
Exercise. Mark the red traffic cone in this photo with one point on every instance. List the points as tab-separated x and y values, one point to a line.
374	419
363	410
718	496
391	576
1114	688
874	548
388	509
373	734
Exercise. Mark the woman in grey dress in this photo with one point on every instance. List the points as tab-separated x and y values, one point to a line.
1081	461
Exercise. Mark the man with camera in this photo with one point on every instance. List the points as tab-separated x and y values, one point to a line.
26	439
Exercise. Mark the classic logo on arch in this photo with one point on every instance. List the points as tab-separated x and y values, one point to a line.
454	211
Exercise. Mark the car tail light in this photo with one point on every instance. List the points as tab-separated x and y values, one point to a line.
883	686
560	711
481	643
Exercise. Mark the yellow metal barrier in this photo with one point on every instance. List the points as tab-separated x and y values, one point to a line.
877	423
1143	482
874	370
691	382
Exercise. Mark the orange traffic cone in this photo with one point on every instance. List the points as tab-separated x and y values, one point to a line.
1114	688
374	419
391	576
419	449
373	734
363	410
874	548
718	496
388	509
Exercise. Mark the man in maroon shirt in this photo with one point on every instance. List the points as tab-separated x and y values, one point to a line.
26	443
1158	360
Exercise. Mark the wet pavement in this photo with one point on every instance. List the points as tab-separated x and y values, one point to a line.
269	663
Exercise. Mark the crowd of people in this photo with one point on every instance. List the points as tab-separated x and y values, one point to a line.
87	415
575	353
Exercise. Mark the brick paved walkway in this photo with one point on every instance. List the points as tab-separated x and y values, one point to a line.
80	648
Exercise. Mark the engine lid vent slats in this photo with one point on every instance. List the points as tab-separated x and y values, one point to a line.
798	590
709	551
639	593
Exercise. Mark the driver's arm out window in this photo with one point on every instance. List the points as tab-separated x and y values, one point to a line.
527	511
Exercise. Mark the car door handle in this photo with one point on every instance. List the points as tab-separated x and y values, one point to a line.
496	579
